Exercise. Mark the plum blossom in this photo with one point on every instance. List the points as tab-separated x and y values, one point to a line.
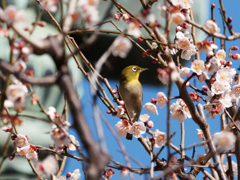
206	46
109	173
198	67
122	126
184	71
133	29
213	66
150	124
200	135
15	92
236	91
178	18
120	112
144	117
59	137
161	99
211	26
11	14
21	141
124	172
50	165
151	108
50	5
186	4
160	138
221	54
179	111
20	66
30	152
218	88
234	168
75	175
188	52
137	129
163	76
72	145
224	140
225	75
121	47
183	43
52	112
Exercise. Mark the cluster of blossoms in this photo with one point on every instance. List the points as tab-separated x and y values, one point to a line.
88	8
75	175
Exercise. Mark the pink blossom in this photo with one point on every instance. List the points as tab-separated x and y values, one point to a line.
161	99
184	71
120	112
15	92
121	47
200	135
236	91
178	18
137	129
125	17
11	14
59	137
234	168
198	67
163	76
72	145
211	26
144	117
117	16
52	112
21	141
4	32
50	165
186	4
173	160
183	43
225	75
221	54
206	47
22	151
32	153
75	175
151	108
224	140
109	173
202	78
122	127
218	88
160	137
150	124
7	129
50	5
133	29
179	111
20	66
188	52
124	172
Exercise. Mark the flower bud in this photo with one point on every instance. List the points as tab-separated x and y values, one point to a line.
68	174
150	124
27	137
213	6
140	26
205	88
13	137
140	39
155	60
213	80
7	129
121	102
11	157
144	54
229	63
178	28
26	29
236	57
230	26
108	112
229	19
234	48
190	40
149	52
117	16
124	172
189	75
114	91
188	84
154	101
42	23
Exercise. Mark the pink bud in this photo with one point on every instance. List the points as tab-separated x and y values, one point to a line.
124	172
121	102
205	88
155	60
26	29
149	52
229	20
188	84
230	26
140	26
140	39
154	101
213	80
150	124
234	48
178	28
114	91
68	174
11	157
13	137
117	16
229	63
27	137
7	129
213	6
42	23
144	54
190	40
236	57
189	75
108	112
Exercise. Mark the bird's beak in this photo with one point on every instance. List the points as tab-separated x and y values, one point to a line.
143	69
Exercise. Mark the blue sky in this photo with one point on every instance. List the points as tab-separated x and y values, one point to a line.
134	148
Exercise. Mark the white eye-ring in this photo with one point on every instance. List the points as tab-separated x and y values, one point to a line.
134	69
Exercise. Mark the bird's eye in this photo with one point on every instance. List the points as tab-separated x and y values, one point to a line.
134	69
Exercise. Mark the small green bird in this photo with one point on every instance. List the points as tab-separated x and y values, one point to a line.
131	91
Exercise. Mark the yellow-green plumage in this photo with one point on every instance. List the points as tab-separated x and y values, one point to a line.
131	90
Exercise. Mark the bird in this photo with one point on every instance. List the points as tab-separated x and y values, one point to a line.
131	92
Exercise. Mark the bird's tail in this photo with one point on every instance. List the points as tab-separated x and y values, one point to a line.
129	136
